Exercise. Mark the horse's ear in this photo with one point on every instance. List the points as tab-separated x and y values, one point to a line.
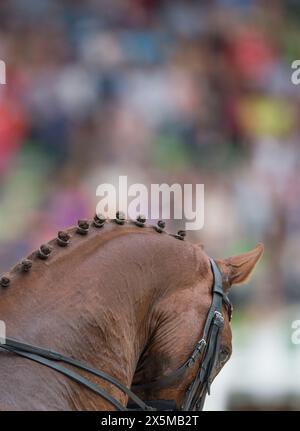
238	269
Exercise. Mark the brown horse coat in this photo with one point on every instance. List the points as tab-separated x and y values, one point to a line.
125	299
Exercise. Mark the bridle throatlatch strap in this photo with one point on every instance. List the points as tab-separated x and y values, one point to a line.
200	387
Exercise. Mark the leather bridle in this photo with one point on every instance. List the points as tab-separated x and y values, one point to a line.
208	346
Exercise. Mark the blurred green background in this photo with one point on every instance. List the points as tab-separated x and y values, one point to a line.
165	91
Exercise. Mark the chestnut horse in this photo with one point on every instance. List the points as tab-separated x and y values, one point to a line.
125	297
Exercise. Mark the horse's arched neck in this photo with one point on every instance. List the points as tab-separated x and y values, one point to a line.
95	302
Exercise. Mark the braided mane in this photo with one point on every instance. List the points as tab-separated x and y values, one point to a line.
83	228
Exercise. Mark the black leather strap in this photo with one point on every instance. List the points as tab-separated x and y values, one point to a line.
49	357
200	387
71	374
197	391
161	405
218	298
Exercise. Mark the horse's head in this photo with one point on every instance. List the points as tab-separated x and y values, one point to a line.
179	322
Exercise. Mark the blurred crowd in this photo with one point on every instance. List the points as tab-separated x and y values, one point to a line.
161	91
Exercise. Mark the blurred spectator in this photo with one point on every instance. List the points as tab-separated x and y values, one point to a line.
180	91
